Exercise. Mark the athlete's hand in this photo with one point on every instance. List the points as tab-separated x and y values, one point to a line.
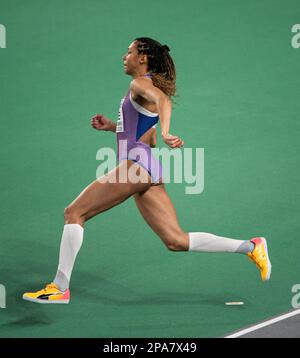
101	123
173	141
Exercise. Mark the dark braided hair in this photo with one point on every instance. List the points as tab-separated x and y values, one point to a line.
160	64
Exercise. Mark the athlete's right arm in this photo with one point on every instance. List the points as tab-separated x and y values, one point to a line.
101	123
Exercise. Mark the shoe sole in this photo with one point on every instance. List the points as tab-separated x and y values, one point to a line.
269	262
37	300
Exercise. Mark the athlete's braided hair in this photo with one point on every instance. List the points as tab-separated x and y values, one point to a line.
160	64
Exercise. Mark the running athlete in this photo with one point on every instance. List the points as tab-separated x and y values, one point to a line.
148	101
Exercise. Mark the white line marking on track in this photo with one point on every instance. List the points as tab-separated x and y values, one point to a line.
263	324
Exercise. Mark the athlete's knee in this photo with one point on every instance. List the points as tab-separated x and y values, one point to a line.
72	215
178	242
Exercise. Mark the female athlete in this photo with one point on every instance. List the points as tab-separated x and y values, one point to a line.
148	101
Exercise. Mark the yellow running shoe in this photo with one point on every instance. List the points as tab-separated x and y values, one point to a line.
260	256
49	294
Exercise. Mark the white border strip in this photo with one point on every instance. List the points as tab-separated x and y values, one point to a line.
141	109
264	324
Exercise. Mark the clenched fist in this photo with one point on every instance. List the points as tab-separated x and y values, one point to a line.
101	123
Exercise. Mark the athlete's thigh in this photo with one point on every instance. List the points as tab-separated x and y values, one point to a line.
106	192
158	211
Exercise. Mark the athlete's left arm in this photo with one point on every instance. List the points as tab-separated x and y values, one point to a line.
144	88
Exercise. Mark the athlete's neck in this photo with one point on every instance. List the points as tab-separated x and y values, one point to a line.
142	74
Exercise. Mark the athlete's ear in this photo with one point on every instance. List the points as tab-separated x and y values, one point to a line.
143	59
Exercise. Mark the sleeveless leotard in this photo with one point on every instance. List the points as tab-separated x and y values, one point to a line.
134	121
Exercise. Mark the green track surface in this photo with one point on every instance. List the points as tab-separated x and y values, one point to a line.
238	81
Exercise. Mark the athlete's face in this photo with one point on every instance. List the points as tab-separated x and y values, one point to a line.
132	60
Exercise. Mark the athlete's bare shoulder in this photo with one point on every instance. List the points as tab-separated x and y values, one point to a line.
139	85
143	87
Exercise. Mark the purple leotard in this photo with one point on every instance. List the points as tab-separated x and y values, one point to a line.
134	121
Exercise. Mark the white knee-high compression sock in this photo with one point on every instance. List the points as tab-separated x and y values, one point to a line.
205	242
71	242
